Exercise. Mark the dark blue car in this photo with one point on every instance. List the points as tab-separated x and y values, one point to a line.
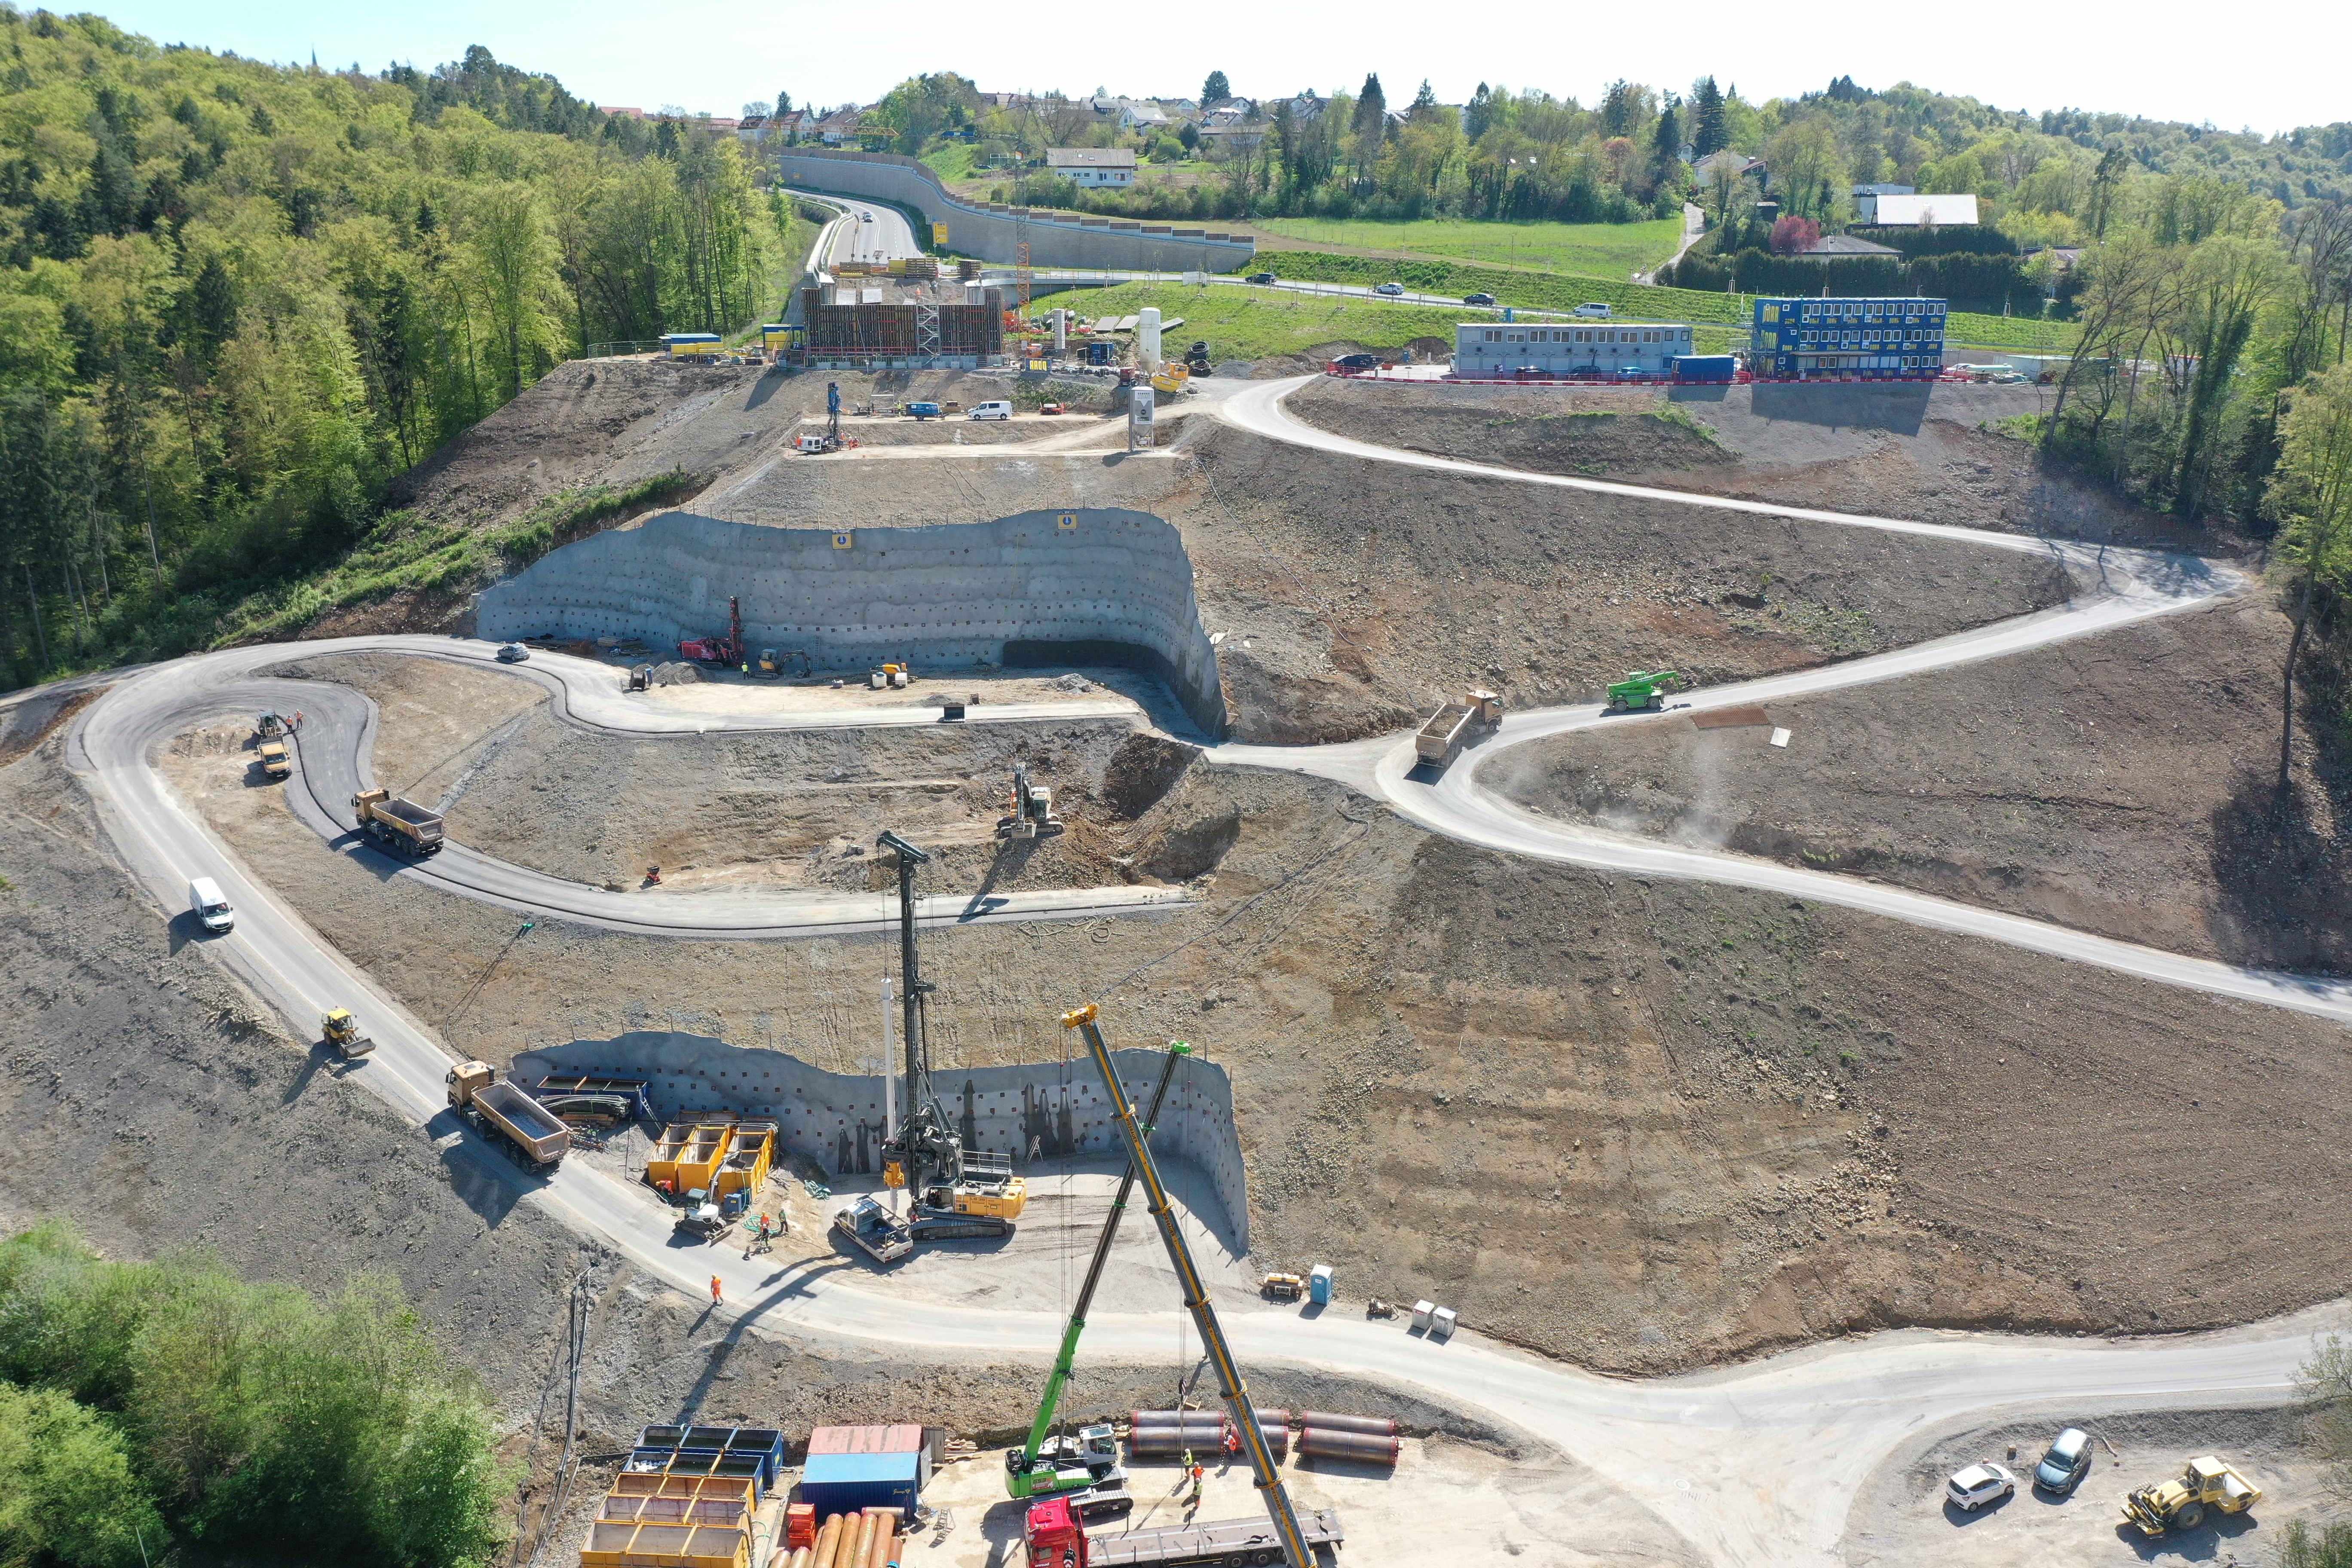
2062	1469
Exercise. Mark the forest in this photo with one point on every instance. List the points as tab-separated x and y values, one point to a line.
146	1406
241	297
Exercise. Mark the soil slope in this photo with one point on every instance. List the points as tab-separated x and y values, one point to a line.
1644	1126
1932	454
2122	784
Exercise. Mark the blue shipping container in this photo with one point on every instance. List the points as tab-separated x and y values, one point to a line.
1705	367
844	1483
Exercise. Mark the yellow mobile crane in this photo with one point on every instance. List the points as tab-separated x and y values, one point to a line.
1296	1549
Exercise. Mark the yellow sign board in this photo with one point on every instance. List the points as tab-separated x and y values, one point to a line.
939	237
844	540
1067	521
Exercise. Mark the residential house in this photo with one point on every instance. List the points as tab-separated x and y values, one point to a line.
1865	199
1924	211
1092	165
839	126
1843	248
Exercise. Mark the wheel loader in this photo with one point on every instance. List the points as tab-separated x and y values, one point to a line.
2209	1485
343	1032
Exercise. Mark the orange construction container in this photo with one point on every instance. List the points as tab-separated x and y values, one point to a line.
625	1545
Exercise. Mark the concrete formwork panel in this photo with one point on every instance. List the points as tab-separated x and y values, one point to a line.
1055	1108
1088	586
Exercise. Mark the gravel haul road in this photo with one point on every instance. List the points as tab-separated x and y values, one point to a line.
1755	1465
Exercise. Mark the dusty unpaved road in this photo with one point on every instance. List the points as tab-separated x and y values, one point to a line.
1710	1455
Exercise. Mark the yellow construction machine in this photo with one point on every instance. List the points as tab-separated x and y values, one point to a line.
2209	1485
343	1032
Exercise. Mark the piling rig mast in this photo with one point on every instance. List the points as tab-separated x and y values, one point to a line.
957	1192
1231	1388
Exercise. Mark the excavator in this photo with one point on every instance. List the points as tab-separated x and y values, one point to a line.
1032	812
957	1192
1084	1467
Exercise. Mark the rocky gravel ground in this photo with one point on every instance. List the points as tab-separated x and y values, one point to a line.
1935	454
1709	1123
2123	783
1901	1519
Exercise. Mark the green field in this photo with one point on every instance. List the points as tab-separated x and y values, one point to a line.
1258	323
952	161
1548	292
1592	249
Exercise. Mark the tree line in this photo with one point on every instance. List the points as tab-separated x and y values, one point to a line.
147	1404
239	298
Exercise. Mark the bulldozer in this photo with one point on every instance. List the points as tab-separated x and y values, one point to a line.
343	1032
1641	688
2208	1485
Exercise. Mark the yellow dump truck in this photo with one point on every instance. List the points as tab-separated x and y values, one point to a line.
275	760
401	826
1449	728
532	1135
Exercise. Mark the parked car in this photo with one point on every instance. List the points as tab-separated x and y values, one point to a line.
1053	408
1532	373
995	409
1390	289
513	653
1259	277
1972	1488
2062	1469
1357	362
1477	299
1593	310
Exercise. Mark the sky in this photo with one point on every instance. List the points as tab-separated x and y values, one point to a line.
2164	60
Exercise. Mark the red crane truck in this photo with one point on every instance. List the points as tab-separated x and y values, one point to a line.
1056	1540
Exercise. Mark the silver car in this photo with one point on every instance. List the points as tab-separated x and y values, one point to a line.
1972	1488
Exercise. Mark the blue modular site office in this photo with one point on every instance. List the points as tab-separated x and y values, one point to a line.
1893	338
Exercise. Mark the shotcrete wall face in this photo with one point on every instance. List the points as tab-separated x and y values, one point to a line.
1092	585
1055	1107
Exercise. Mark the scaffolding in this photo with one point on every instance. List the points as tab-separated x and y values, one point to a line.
927	327
1023	279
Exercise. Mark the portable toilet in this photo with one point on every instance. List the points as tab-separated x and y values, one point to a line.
1440	1323
1421	1312
1318	1285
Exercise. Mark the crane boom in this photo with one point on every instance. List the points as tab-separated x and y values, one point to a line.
1021	1464
1230	1385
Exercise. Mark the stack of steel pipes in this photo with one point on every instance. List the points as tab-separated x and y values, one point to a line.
1371	1439
867	1540
1166	1434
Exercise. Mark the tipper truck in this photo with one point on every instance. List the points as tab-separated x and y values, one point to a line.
1451	727
534	1136
1054	1540
401	826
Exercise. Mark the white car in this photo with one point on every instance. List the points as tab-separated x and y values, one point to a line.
513	653
1390	289
1591	312
1977	1485
997	409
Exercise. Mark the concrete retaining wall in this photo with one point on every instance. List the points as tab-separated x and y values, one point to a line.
1098	579
991	231
1055	1107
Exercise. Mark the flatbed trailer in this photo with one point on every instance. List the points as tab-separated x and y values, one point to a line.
1226	1544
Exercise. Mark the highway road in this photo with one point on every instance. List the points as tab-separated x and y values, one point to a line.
1756	1465
874	232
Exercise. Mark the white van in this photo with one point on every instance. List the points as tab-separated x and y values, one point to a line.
204	898
1000	409
1592	310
